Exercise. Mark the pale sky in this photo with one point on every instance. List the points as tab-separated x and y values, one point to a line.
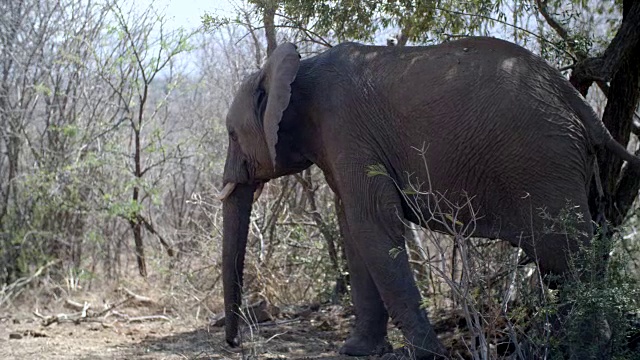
187	13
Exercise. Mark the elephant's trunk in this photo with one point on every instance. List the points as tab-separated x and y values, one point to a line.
236	212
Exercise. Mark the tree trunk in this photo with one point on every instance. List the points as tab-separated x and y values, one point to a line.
136	227
623	97
620	65
269	10
403	38
137	238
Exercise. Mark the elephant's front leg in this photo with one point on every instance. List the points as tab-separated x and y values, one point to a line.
369	336
373	212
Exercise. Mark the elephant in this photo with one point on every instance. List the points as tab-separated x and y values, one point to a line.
496	125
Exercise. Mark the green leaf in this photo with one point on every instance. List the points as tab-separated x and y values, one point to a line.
43	89
394	252
450	218
213	22
376	169
409	191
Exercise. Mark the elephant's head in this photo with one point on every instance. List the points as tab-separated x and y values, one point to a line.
260	149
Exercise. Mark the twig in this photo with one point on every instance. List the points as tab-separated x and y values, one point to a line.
148	318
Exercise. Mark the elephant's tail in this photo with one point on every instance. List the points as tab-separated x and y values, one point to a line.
600	136
616	148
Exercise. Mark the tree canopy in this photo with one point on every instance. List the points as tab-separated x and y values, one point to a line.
595	41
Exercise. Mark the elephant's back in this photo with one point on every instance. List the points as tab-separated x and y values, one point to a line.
489	115
494	125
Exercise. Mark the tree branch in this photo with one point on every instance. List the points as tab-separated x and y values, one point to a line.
560	30
311	35
152	230
620	49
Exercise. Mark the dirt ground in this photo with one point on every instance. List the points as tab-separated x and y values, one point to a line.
315	334
140	329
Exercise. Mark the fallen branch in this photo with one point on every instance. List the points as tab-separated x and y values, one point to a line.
137	298
52	319
120	315
83	313
70	304
110	307
148	318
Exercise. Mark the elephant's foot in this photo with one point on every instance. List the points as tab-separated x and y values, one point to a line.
358	345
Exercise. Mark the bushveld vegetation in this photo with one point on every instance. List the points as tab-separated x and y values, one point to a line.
112	146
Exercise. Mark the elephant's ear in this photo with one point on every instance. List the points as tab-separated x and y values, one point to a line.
280	71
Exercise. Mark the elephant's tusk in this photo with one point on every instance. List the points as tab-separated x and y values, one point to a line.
226	191
258	192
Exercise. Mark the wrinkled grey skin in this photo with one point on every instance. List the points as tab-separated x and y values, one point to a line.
498	123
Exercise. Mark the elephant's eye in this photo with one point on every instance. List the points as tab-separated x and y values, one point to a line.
233	135
260	93
261	96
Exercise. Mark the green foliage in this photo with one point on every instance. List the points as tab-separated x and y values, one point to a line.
431	22
213	22
376	170
600	301
564	222
421	21
43	89
126	209
594	302
50	219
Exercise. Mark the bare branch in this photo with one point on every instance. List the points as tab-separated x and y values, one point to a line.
152	230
